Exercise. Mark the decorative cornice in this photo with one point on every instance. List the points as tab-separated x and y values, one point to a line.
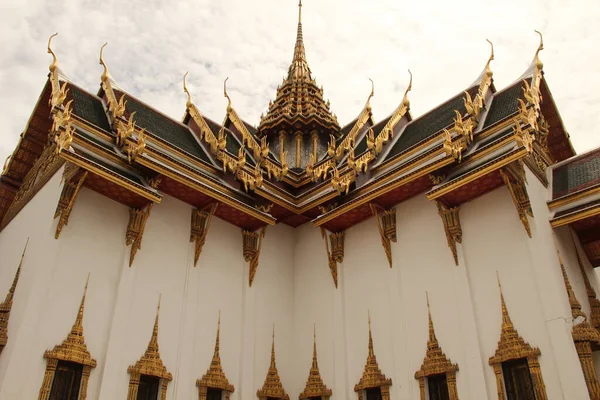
67	197
73	348
452	228
135	229
252	242
372	376
214	377
151	364
272	388
386	223
6	306
314	384
200	225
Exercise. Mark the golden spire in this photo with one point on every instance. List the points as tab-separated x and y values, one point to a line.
215	377
372	376
6	306
510	345
299	67
151	364
314	384
54	64
272	388
73	348
435	361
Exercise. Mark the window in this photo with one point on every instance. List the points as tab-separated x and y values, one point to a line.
214	394
374	394
148	388
438	387
67	380
517	380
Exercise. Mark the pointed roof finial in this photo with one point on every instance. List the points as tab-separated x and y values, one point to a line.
405	101
54	64
371	351
538	62
13	287
432	337
105	74
505	317
226	95
78	325
218	340
368	106
300	11
488	70
189	102
299	67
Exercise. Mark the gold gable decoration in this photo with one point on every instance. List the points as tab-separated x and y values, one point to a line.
436	362
272	388
150	365
511	346
372	376
314	384
215	377
6	306
72	349
584	335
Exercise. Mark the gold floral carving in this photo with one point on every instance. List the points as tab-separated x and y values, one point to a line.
372	376
72	349
150	365
591	293
252	242
40	173
200	225
272	388
67	201
585	336
135	229
6	306
314	384
452	228
386	223
515	180
435	363
215	377
511	346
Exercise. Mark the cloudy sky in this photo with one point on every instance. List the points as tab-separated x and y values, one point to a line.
153	42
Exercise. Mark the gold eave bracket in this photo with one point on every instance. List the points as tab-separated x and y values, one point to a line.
252	242
515	180
135	229
67	200
452	228
386	224
200	223
336	255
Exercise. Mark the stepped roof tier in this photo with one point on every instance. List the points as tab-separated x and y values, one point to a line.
298	166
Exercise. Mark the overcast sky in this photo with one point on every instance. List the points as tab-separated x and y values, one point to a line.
153	42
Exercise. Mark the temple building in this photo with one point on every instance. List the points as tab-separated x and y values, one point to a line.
440	256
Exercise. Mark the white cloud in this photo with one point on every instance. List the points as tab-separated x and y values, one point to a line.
153	42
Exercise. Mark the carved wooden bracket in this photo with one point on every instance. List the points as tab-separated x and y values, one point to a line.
200	224
514	178
135	229
337	251
67	197
452	227
386	223
252	245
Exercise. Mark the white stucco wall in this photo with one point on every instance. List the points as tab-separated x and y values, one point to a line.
293	291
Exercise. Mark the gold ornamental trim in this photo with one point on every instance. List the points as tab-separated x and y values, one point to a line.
215	377
6	305
452	227
314	384
436	362
372	376
386	224
511	346
252	245
336	255
73	349
67	198
135	229
150	365
200	224
272	388
514	178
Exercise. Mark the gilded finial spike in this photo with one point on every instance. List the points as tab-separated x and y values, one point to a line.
11	291
368	105
371	351
105	74
538	63
491	55
408	89
77	328
54	64
189	103
541	46
300	11
226	95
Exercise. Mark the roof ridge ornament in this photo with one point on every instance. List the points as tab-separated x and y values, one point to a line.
189	101
59	93
226	95
54	65
116	107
